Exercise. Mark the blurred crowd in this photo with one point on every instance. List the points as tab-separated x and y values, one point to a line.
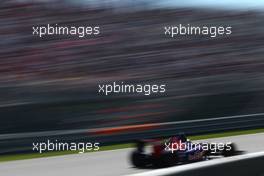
132	48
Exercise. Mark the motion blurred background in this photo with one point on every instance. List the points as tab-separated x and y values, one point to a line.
51	83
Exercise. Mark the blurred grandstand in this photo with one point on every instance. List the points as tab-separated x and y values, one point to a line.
51	83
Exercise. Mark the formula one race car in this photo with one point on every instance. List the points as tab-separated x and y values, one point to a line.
177	150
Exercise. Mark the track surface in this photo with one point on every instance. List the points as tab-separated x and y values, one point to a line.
105	163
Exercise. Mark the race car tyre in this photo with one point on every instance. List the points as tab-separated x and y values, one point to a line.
165	160
139	160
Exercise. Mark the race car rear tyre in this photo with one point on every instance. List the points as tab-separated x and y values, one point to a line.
139	160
